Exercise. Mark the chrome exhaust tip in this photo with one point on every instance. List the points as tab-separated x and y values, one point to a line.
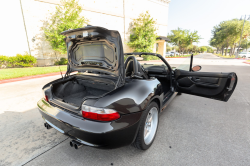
47	126
71	143
75	144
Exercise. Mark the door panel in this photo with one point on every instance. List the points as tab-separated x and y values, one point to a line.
211	80
219	86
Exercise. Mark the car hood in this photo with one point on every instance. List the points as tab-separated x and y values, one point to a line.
95	50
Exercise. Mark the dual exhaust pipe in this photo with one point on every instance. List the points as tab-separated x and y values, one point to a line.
46	125
72	143
75	144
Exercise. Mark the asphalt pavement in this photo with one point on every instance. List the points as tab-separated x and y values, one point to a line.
192	130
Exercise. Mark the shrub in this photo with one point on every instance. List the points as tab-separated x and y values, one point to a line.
62	61
3	60
24	60
149	57
19	60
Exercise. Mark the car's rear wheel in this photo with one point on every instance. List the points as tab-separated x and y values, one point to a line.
148	127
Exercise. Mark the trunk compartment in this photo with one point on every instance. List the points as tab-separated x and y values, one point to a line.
75	89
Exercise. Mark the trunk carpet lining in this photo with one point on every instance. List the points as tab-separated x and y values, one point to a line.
74	91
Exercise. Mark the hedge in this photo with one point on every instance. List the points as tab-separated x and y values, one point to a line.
19	60
62	61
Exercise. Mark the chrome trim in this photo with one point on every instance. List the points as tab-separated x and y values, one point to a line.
54	126
85	143
57	102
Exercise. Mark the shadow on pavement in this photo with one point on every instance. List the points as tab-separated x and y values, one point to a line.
23	137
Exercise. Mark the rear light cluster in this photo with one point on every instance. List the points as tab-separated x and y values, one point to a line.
46	98
100	114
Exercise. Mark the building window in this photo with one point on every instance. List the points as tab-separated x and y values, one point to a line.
157	47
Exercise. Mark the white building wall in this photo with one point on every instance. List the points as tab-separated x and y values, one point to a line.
111	14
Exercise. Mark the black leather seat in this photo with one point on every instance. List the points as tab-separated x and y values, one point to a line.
130	68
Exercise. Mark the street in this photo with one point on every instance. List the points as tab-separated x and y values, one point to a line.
192	130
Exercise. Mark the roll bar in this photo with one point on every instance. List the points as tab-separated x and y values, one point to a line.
135	64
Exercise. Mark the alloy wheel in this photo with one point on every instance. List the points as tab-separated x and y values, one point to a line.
150	126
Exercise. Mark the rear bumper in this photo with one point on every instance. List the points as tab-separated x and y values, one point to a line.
97	134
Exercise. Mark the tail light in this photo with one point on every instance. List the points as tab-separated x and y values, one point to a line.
46	98
100	114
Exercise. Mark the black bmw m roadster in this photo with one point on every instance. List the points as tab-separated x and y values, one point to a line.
105	102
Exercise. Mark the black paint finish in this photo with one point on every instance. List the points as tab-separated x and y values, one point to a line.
130	96
218	86
97	134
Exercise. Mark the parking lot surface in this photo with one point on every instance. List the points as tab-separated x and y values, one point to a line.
192	130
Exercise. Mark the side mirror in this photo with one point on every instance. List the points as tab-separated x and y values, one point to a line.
196	68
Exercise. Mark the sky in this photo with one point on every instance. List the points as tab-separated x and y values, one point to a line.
203	15
12	21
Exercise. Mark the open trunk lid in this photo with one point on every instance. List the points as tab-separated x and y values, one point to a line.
95	49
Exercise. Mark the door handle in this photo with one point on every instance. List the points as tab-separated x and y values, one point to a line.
197	82
195	79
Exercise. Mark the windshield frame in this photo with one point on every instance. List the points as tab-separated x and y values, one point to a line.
154	54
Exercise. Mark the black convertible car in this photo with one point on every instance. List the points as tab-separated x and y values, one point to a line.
109	103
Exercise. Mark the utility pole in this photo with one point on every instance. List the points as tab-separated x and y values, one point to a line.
25	27
240	38
247	43
237	54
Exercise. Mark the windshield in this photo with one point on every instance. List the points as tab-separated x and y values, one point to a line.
147	60
151	60
179	63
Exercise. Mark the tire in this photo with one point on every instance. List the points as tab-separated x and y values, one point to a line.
141	142
179	93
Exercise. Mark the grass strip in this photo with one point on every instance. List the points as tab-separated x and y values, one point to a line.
29	71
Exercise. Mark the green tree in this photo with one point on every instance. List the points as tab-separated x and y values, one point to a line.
143	33
245	44
210	49
194	49
176	48
183	38
203	49
67	16
227	35
168	48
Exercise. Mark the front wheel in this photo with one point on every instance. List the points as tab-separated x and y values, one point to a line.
148	127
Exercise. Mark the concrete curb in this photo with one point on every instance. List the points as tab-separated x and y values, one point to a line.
230	58
179	57
247	62
29	77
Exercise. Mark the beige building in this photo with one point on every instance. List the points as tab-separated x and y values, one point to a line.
23	20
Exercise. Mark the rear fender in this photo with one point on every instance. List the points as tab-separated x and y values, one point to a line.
132	97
